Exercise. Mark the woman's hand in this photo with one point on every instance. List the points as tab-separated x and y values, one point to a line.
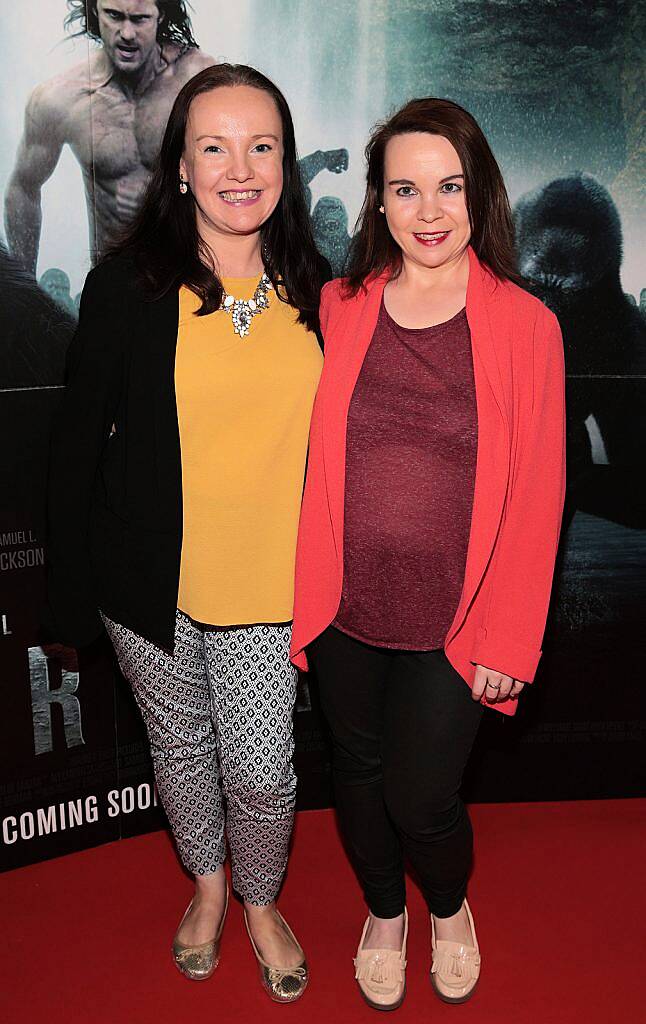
494	686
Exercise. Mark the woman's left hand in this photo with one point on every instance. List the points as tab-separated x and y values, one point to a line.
494	686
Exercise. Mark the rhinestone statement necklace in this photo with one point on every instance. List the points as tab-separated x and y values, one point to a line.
244	310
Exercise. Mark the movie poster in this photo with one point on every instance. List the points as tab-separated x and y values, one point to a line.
558	90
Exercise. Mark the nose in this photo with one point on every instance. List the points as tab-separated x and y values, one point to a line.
430	208
239	168
127	31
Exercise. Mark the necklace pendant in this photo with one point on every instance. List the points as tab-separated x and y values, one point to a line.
243	310
241	316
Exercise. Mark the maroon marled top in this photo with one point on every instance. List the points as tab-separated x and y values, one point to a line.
410	473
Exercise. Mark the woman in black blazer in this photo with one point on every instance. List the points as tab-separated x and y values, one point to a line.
191	334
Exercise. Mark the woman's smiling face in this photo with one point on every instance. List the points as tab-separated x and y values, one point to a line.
233	158
425	199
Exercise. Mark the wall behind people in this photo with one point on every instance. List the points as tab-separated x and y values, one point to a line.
558	96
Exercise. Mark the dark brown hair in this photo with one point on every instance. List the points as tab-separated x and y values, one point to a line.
492	237
174	27
163	240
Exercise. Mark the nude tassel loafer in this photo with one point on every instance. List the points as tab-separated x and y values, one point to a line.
282	984
381	973
199	962
456	967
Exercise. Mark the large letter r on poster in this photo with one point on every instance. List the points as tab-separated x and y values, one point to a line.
42	698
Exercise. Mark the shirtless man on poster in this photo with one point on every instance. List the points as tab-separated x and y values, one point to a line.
112	112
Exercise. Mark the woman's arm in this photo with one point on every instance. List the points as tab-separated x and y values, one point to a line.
525	553
81	429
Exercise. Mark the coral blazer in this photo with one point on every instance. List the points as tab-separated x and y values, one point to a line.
519	480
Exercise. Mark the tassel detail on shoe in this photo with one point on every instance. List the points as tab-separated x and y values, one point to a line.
380	970
465	966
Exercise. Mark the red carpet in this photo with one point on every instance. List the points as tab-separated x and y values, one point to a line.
558	893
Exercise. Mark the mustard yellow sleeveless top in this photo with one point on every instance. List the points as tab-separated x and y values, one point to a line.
244	407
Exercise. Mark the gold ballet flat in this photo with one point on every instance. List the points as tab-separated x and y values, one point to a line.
456	966
199	962
282	984
381	973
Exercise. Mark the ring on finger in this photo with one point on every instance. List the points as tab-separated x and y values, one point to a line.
493	686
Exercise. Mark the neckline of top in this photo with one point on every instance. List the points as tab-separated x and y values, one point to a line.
417	330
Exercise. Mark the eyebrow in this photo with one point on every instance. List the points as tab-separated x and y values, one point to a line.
222	138
407	181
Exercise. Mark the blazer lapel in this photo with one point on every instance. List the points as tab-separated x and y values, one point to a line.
360	319
161	324
493	454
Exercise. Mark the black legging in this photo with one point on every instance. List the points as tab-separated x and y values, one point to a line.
403	724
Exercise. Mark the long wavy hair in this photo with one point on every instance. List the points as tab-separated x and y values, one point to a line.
164	241
374	250
174	27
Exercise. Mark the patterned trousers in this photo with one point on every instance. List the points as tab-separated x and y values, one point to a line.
219	718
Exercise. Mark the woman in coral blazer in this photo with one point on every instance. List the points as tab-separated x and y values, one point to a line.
430	521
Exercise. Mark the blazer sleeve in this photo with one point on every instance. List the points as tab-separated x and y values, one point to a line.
81	429
510	641
324	309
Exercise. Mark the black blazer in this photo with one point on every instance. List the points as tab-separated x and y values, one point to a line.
115	497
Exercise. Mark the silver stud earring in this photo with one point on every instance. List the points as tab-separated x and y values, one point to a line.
183	186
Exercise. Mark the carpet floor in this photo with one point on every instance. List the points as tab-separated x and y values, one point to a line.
558	894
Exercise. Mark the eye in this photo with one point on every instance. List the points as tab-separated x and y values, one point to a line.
406	190
451	188
263	147
212	149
